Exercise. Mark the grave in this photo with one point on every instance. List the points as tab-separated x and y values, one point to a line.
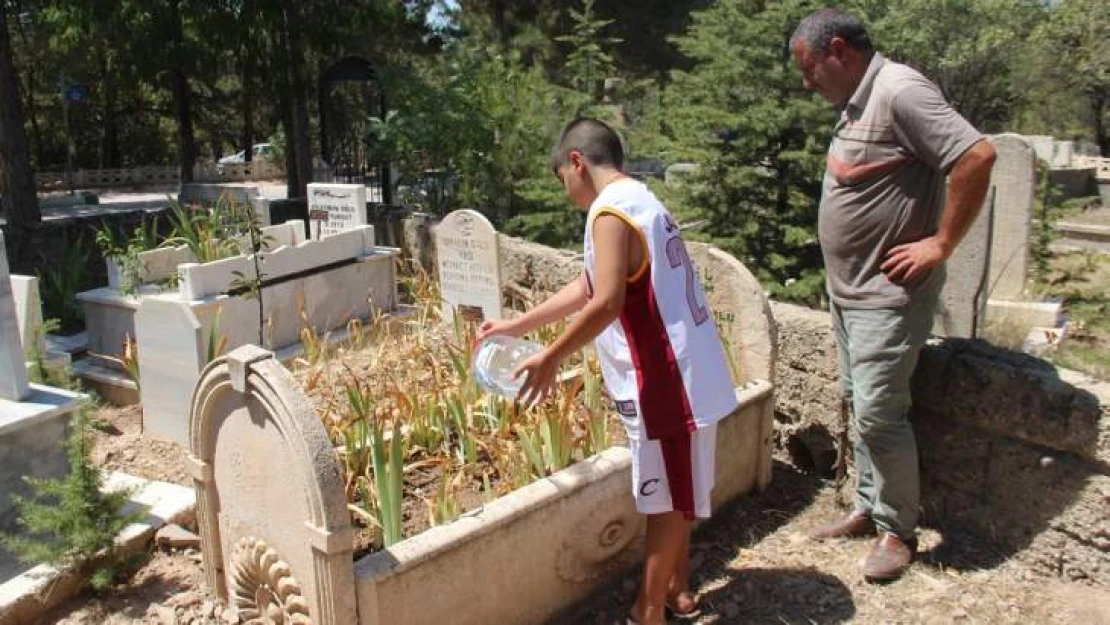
110	314
313	286
578	526
33	418
468	261
335	208
28	312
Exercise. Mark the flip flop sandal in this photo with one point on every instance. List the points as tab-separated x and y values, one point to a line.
672	613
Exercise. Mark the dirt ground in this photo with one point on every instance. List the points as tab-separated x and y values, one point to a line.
753	563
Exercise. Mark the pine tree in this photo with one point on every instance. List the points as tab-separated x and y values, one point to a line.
71	521
588	62
760	139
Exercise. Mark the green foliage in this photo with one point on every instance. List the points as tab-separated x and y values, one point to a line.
588	62
61	279
1067	73
125	253
71	521
760	141
970	48
487	119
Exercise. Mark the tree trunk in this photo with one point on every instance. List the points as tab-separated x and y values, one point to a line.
109	145
18	196
1102	133
298	145
182	95
246	140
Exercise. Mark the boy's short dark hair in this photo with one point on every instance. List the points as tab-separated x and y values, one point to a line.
598	142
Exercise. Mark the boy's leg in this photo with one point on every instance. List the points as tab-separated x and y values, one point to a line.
667	537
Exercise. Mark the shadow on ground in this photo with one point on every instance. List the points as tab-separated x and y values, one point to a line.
749	595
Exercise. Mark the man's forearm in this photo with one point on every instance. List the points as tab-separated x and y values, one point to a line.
570	299
968	182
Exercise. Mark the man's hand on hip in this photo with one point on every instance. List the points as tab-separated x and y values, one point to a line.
909	261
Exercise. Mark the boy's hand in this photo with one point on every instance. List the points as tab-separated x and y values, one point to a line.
494	327
541	373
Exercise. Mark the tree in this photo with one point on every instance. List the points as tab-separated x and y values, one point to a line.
1068	77
589	61
969	48
18	196
759	139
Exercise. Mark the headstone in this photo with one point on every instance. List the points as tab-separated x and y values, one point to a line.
676	174
467	256
1012	180
13	370
334	208
271	508
962	307
741	311
28	311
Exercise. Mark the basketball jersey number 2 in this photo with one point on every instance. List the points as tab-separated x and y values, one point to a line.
677	255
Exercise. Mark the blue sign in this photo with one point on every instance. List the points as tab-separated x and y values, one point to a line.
76	93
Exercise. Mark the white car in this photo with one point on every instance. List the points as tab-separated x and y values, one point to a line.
259	152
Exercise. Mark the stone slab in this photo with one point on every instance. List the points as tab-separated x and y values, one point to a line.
173	334
13	370
28	310
1048	314
32	443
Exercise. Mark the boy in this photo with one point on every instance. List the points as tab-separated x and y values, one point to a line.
661	356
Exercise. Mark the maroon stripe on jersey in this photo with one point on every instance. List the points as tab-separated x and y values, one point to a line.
680	472
664	406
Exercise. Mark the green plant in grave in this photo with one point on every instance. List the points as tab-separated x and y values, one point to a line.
597	425
125	253
61	279
387	459
251	287
71	521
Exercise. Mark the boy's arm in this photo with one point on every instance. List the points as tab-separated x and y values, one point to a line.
571	298
613	240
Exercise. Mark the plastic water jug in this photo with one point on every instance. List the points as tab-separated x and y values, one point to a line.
496	358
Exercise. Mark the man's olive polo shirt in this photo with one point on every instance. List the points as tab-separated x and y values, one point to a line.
885	181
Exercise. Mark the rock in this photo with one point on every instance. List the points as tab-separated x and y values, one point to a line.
184	599
230	616
209	610
731	611
160	614
175	536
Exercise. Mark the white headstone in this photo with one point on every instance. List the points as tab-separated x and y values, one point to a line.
333	208
468	259
963	302
13	370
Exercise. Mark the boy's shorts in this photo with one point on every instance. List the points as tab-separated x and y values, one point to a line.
675	474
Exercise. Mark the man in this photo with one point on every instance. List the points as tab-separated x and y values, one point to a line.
886	227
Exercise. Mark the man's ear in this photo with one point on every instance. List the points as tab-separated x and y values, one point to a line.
837	47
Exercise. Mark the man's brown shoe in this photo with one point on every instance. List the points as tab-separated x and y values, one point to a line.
889	558
855	525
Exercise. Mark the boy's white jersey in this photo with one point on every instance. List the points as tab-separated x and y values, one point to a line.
662	360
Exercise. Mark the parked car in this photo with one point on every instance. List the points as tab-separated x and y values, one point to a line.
260	151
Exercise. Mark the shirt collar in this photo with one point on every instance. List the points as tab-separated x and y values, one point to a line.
863	91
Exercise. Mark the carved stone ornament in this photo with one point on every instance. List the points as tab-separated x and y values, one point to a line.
263	587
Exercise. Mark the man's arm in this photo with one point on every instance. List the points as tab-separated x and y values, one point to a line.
571	298
613	239
968	181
